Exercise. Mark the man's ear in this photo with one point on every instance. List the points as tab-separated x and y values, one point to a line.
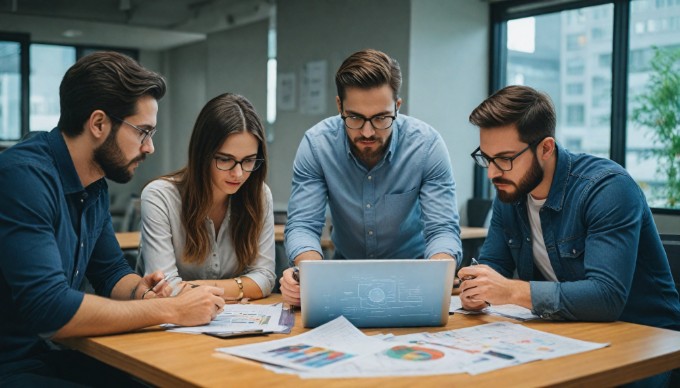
98	124
398	104
338	102
547	148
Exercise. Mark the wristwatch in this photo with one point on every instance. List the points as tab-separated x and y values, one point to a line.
239	282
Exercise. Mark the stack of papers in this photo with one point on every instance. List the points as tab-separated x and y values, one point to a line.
504	310
338	349
238	318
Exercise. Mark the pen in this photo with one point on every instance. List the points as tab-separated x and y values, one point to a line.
474	262
296	274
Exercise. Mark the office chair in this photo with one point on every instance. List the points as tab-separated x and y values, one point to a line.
671	244
477	211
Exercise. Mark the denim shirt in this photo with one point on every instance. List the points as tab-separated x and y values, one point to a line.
53	232
403	207
601	241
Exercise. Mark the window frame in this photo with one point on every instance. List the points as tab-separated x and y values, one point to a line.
25	41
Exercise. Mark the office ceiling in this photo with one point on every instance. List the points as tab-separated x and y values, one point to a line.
199	16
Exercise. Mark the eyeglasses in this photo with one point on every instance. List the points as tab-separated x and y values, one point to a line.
378	122
504	163
228	164
145	133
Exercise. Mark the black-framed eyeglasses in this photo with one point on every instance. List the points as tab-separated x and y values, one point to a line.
378	122
145	133
225	163
503	163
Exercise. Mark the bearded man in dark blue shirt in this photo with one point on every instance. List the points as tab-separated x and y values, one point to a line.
55	230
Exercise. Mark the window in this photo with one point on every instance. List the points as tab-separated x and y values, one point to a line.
650	140
48	65
34	108
601	88
13	62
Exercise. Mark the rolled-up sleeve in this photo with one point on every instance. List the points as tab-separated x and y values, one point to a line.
438	201
38	295
307	203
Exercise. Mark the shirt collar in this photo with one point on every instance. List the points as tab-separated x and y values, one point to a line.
560	180
62	157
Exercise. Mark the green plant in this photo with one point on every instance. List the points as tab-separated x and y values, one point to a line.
658	111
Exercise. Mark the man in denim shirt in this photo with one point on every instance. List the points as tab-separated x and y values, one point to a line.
55	229
385	176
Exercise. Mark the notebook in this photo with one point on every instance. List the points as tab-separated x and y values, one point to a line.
376	293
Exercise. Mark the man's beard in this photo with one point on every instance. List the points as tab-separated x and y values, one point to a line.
110	158
370	155
527	184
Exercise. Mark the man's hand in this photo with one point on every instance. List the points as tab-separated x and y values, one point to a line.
483	286
290	288
198	305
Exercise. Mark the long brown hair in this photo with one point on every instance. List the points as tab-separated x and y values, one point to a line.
221	117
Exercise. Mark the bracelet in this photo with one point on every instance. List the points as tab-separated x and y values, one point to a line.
146	292
239	283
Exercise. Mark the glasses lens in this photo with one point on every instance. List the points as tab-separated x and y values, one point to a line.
225	163
503	164
251	164
381	122
354	122
480	160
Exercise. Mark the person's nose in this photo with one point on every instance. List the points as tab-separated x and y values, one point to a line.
147	146
237	171
493	171
367	129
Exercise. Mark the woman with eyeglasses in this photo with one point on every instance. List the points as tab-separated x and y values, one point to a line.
212	222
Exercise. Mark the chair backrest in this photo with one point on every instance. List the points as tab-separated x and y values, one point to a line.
671	244
477	211
132	220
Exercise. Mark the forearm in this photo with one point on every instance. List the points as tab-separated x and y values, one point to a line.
309	255
231	290
128	288
444	256
520	293
97	316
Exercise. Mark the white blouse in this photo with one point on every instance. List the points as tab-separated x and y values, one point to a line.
163	239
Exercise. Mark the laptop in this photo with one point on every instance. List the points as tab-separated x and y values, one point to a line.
376	293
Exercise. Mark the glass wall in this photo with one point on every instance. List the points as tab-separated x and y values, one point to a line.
653	130
567	55
10	90
48	65
612	69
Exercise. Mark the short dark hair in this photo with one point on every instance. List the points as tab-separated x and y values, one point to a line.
367	69
530	110
104	80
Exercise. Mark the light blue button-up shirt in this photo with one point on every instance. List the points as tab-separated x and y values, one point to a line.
404	207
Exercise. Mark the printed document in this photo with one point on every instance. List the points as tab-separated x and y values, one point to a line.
504	310
242	317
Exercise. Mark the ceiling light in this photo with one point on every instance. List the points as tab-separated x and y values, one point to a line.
72	33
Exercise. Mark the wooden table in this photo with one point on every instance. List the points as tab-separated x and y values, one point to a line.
174	359
128	240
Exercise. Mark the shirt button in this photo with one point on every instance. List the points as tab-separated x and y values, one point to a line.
82	200
370	177
82	245
370	233
528	239
573	251
368	205
510	241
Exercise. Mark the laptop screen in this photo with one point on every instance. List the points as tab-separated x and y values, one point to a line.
376	293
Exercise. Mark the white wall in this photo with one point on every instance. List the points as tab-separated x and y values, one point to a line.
314	30
448	78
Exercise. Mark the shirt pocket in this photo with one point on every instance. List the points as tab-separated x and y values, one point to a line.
513	240
399	207
572	254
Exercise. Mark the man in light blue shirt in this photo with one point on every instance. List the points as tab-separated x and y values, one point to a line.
385	176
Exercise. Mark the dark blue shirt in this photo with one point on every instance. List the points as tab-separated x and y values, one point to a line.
53	232
602	244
